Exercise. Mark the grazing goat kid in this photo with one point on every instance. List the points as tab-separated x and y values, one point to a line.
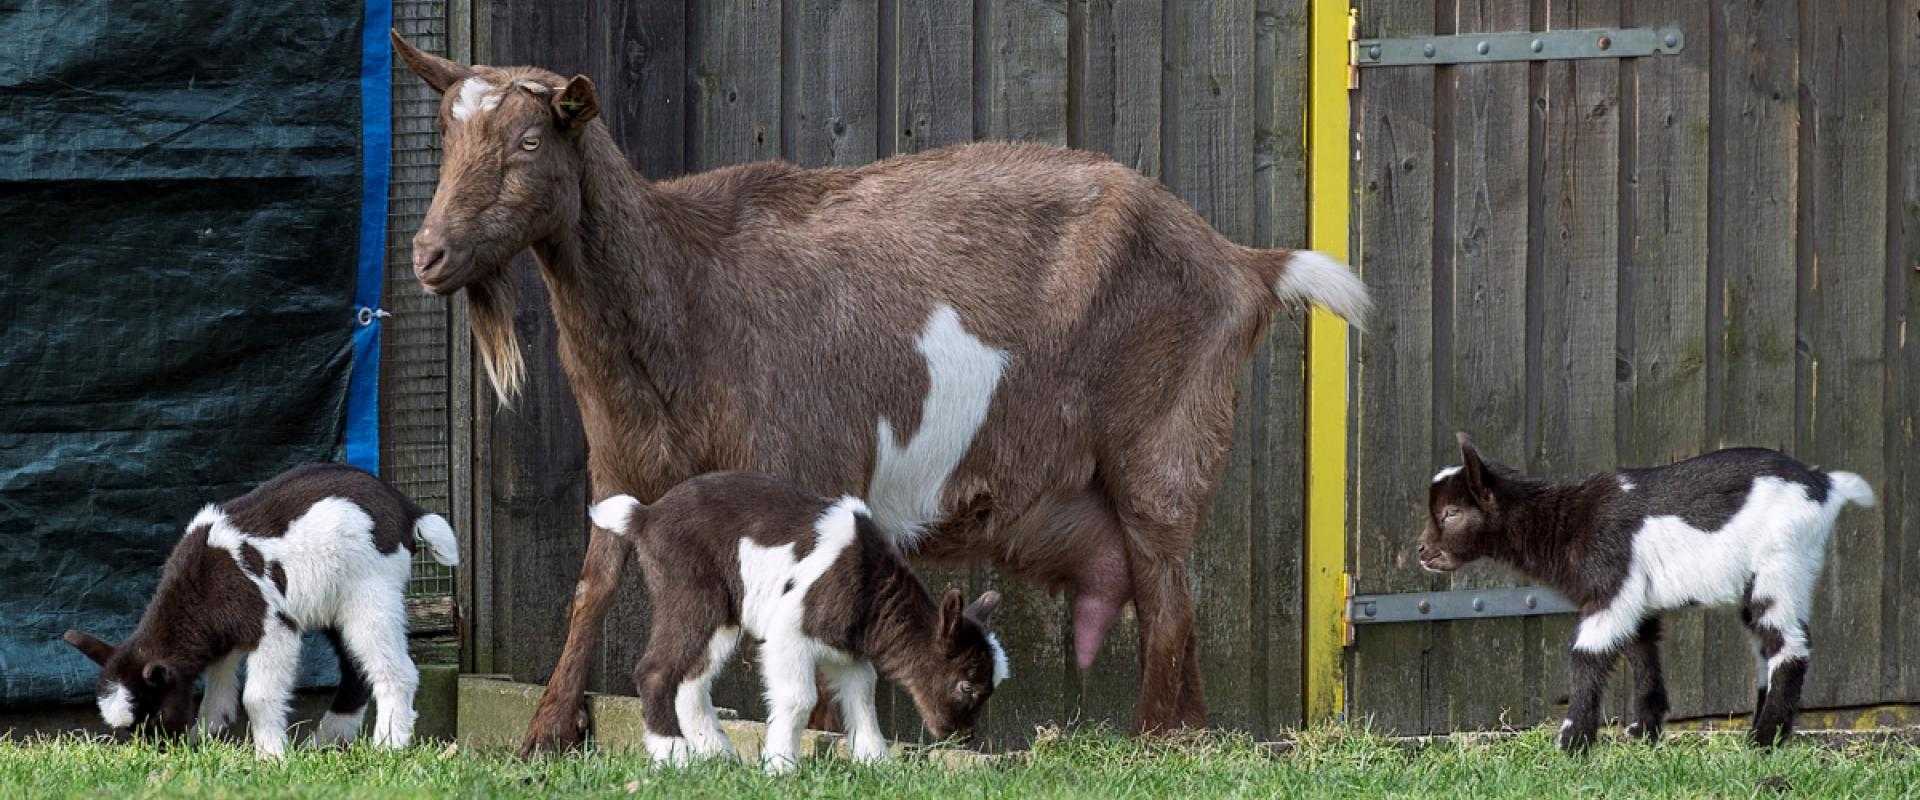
1744	526
821	587
322	546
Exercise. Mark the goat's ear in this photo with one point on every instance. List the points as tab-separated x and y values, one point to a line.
953	607
158	674
438	72
1475	470
93	648
577	103
981	610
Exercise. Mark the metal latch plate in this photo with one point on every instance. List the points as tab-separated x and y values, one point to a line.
1478	48
1524	601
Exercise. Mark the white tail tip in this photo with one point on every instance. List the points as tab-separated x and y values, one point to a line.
1314	277
434	530
614	513
1852	488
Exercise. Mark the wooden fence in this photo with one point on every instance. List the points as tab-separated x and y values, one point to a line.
1632	261
1580	263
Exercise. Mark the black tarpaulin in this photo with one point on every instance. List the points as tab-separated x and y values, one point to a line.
180	186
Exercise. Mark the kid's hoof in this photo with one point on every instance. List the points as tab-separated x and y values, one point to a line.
1644	731
1573	741
547	735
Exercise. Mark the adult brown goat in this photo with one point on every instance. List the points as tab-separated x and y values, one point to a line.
1019	355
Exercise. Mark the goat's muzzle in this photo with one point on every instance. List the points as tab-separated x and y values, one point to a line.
431	260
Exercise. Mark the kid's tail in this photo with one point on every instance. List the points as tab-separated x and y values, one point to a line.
620	514
1852	488
1304	276
434	530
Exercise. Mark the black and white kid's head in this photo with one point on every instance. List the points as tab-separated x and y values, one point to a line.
1464	513
968	663
137	692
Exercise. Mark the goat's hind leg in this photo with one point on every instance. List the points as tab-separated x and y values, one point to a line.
341	724
693	698
1782	641
671	659
1649	683
375	635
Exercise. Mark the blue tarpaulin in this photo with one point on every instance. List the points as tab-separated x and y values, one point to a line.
195	201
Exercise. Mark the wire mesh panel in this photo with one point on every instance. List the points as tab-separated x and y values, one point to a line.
415	373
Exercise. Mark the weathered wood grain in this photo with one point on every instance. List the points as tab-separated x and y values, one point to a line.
734	82
934	74
830	51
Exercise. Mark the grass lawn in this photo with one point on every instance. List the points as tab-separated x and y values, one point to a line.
1325	763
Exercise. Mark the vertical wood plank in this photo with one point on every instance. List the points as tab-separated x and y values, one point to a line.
934	84
1117	110
734	85
1902	649
1752	130
1663	296
641	72
1572	287
1119	88
1842	292
830	95
1208	159
1023	96
537	449
1278	519
1488	387
1394	382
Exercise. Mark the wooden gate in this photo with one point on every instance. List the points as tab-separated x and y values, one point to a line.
1628	261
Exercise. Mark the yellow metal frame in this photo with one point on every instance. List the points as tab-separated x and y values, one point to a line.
1328	203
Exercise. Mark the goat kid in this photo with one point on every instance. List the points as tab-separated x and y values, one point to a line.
1744	526
322	546
822	588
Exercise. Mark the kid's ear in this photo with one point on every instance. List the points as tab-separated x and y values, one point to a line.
577	103
93	648
1474	470
953	606
981	610
157	674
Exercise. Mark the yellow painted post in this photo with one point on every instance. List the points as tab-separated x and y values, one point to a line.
1327	201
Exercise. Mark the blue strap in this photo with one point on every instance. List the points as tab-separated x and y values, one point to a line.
376	136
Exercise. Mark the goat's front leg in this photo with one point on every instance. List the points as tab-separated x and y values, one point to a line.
1649	684
560	721
1600	637
787	666
220	706
270	675
853	687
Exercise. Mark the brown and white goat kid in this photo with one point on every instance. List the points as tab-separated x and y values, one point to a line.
822	588
1744	526
321	546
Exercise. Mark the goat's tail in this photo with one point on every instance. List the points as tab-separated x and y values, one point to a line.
1304	276
1852	488
434	530
621	514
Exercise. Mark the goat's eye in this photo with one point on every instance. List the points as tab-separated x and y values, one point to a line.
966	688
530	143
1449	515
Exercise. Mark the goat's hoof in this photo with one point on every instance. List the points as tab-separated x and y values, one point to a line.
547	735
1648	732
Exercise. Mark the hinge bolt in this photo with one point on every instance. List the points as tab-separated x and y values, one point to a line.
1605	42
1373	52
1479	604
1482	48
1532	602
1369	611
1537	45
1673	40
1424	606
1428	50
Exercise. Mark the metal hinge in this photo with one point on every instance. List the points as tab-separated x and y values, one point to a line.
1523	601
1353	49
1481	48
1346	620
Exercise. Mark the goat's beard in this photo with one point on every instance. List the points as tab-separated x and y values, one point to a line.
491	301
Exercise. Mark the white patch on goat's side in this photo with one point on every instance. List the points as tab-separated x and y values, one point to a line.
1777	539
477	96
1318	278
769	609
1001	669
1625	485
614	513
1445	474
962	375
116	706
